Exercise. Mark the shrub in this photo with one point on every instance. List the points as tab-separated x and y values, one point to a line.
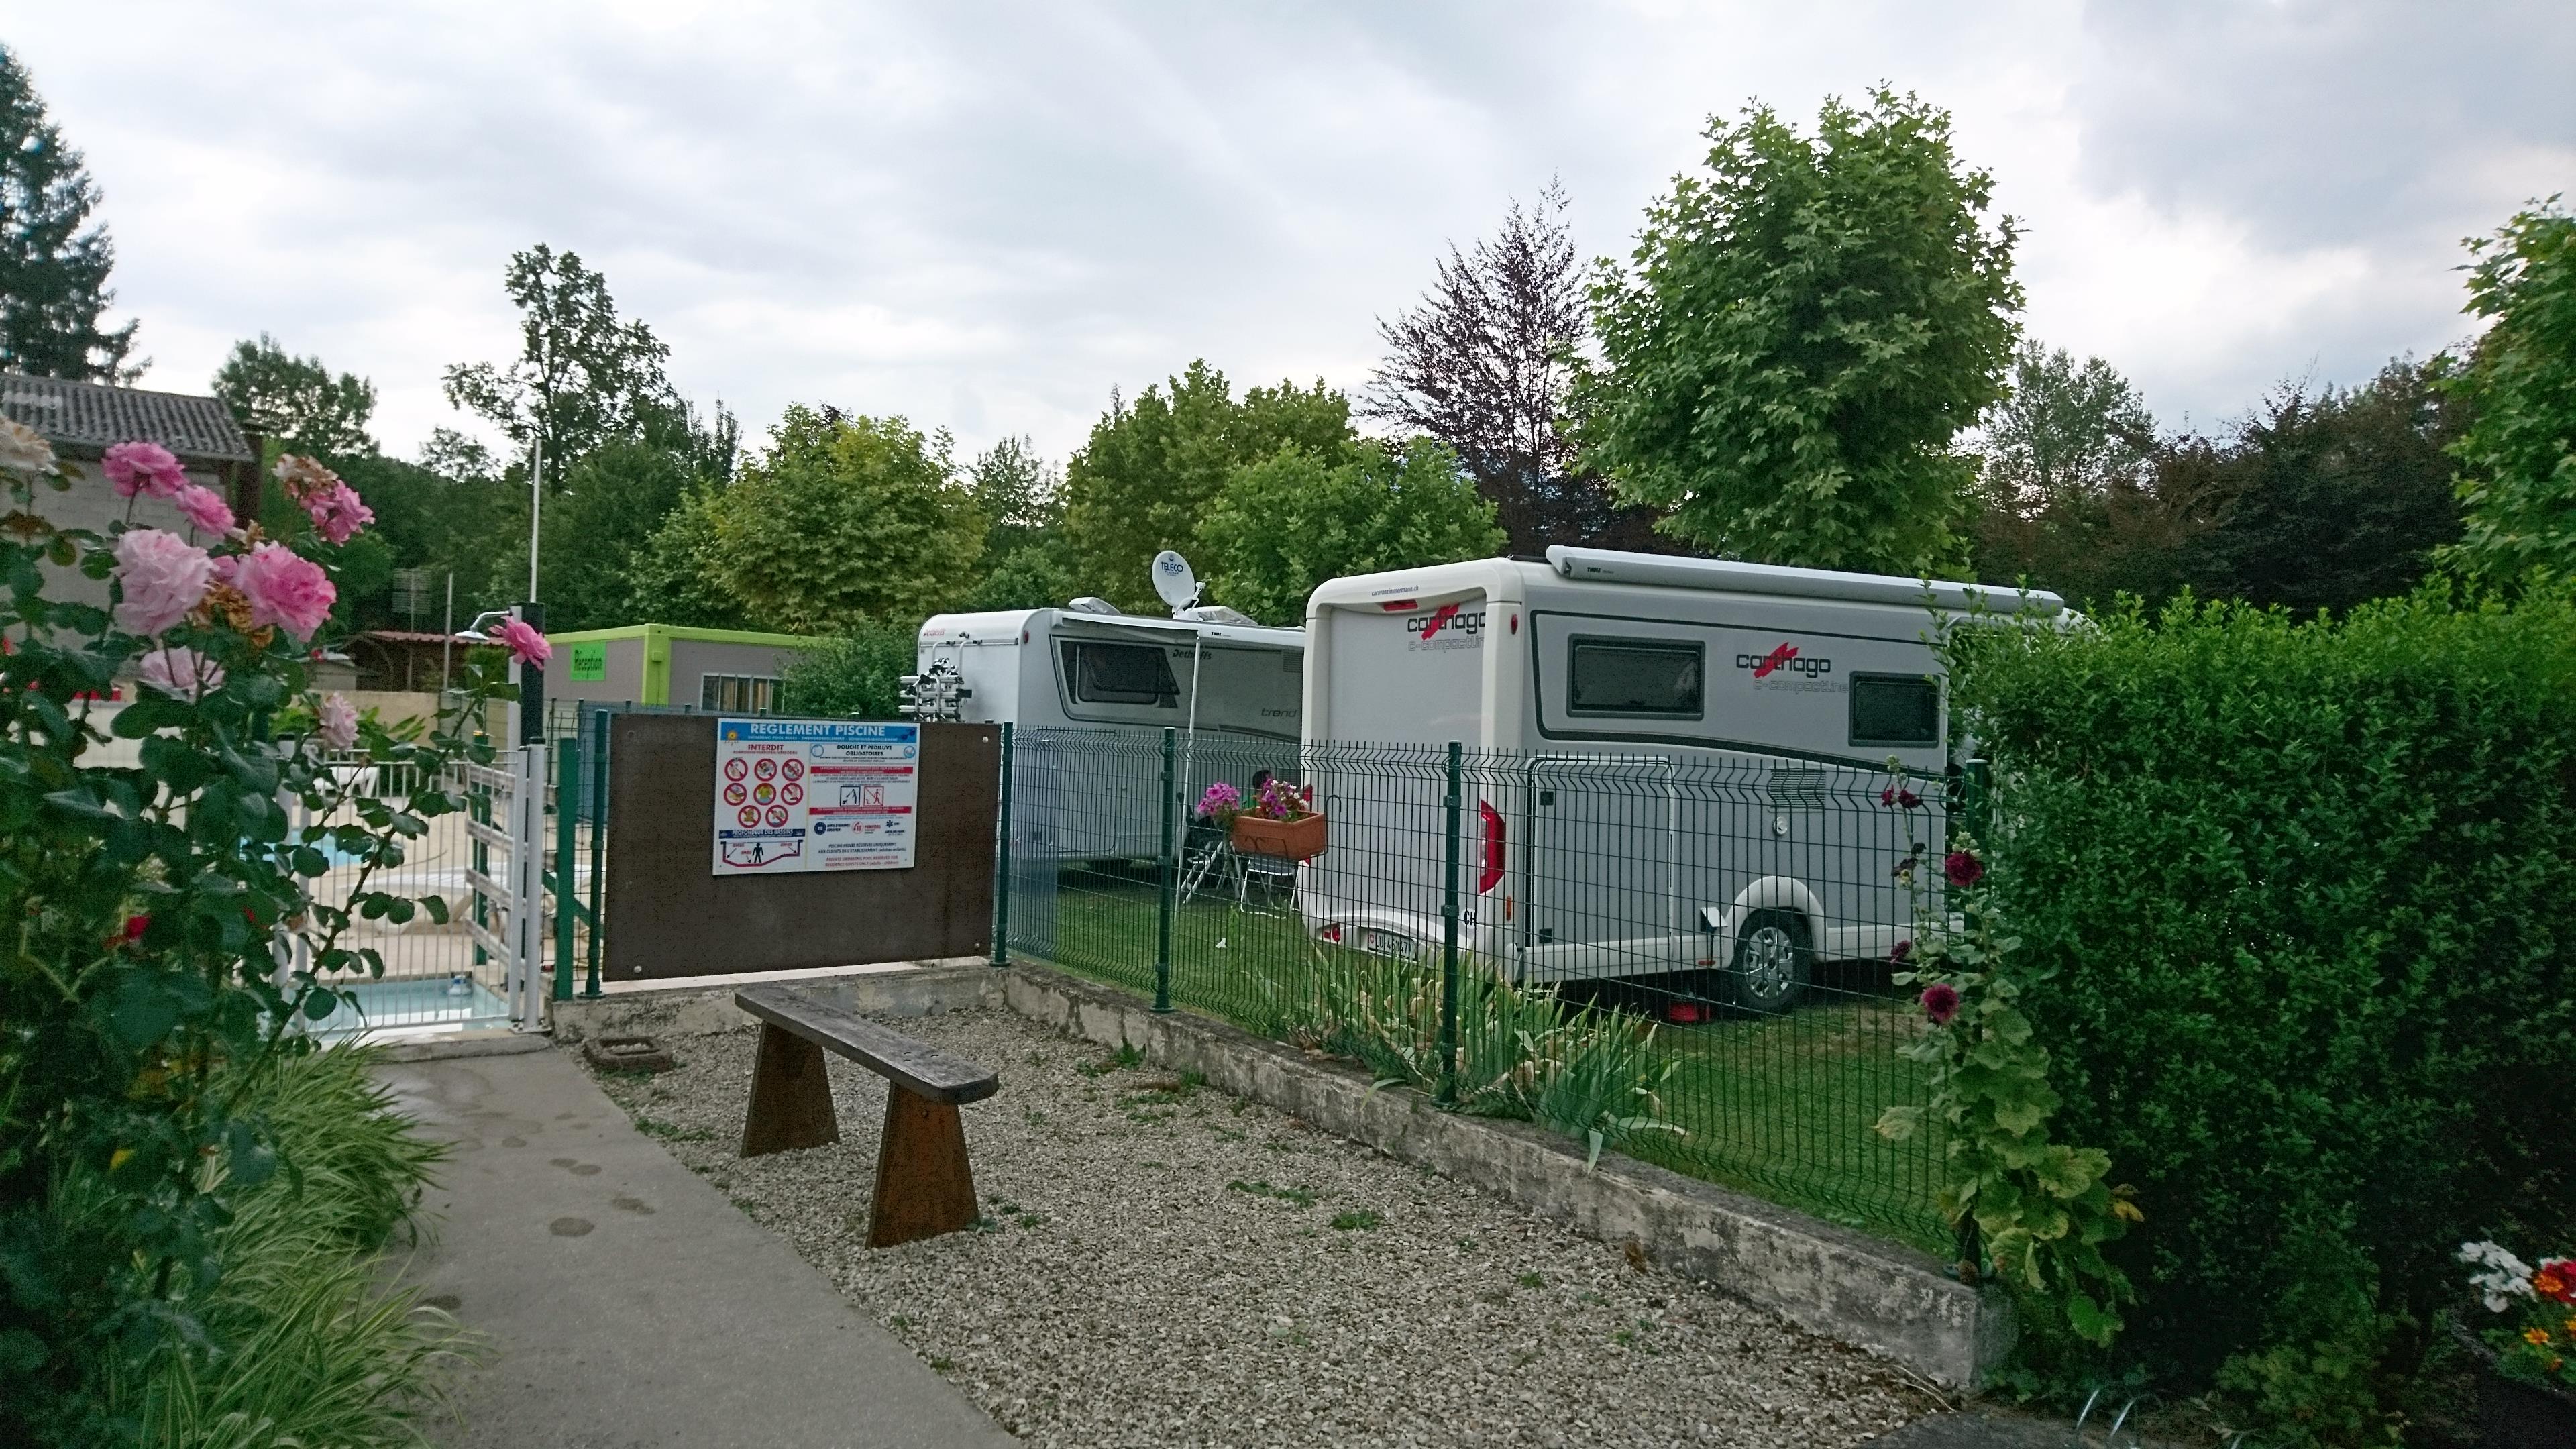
2294	900
854	676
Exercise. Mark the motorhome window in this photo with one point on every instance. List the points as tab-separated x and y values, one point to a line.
1895	709
1634	677
1121	674
738	693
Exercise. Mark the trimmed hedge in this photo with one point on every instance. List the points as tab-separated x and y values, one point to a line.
2298	901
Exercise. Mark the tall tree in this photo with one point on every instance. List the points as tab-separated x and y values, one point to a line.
1806	328
2519	456
296	402
1151	467
1283	525
1027	563
53	260
676	578
2065	431
842	519
615	499
583	375
1486	364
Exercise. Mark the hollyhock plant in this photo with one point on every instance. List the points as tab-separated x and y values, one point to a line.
1962	869
284	589
161	575
145	468
204	509
1940	1002
523	641
335	723
181	672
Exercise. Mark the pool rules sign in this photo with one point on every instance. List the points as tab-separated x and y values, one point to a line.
800	795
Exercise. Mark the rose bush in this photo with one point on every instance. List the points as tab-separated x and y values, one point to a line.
156	911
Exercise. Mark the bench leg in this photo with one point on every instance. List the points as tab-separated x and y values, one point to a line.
791	1097
924	1187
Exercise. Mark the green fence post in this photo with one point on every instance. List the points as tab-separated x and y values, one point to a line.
567	819
1449	930
478	808
598	845
1002	860
1169	873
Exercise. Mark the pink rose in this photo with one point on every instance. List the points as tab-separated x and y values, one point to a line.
284	589
338	513
181	671
146	468
523	641
203	509
161	577
336	722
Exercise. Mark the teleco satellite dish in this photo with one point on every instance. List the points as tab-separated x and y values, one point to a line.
1174	583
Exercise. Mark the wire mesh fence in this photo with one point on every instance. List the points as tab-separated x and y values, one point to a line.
1685	958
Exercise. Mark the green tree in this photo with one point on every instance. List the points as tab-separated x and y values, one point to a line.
673	578
1027	563
2064	432
1283	525
856	676
53	261
583	374
614	501
1805	329
1151	468
2519	489
296	402
845	518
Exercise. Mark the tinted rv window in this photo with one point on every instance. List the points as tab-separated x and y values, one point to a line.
1895	709
1120	674
1631	676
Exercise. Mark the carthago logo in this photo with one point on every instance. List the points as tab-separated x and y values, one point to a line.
1451	619
1784	660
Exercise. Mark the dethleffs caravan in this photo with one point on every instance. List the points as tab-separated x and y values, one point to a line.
1210	673
1684	756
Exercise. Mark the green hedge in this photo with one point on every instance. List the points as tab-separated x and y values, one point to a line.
2308	894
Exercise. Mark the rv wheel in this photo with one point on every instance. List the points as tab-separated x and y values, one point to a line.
1769	970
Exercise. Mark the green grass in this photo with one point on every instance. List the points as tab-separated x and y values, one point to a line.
1784	1107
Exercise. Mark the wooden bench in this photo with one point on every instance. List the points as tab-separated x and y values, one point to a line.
924	1187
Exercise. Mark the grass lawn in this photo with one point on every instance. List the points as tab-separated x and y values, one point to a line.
1780	1106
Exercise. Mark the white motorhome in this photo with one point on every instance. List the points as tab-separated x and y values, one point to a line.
1687	759
1211	674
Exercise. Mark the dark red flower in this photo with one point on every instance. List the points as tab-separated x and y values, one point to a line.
136	925
1903	949
1940	1002
1963	869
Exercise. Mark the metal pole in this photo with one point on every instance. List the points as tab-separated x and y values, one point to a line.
567	898
1168	871
598	844
1002	860
1449	930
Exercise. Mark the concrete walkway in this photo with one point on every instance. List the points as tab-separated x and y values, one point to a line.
629	1303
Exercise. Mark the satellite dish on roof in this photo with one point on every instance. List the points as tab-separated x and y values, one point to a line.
1174	583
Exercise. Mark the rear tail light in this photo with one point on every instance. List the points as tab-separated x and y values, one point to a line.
1332	933
1492	873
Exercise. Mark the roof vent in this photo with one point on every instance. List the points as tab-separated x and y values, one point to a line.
1092	604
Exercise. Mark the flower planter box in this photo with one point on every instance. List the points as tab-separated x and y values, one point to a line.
2514	1414
1298	839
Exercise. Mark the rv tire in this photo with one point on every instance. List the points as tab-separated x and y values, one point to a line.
1773	955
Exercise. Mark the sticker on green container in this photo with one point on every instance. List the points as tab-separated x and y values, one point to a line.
589	663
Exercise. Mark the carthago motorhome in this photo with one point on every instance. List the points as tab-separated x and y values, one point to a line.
1211	674
1684	757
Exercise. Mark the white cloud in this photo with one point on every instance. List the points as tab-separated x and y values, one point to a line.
986	216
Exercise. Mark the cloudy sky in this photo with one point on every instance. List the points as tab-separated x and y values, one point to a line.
988	215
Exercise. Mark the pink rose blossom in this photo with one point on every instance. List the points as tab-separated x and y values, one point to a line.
1940	1002
146	468
523	641
284	589
335	724
181	671
304	479
203	509
337	512
162	577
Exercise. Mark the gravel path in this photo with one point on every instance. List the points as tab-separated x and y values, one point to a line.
1162	1264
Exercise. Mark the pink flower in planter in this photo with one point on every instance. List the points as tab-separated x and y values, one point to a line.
181	672
284	589
162	577
335	724
1962	869
1940	1002
203	509
523	641
337	512
146	468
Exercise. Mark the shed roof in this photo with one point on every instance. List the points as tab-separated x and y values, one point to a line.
89	415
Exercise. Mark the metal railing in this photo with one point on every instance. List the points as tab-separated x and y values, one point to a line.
1727	922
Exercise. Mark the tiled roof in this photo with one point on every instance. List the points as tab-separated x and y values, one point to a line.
89	415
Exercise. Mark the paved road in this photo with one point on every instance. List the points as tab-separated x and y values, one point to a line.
630	1303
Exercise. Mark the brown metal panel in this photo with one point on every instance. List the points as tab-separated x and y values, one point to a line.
669	915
